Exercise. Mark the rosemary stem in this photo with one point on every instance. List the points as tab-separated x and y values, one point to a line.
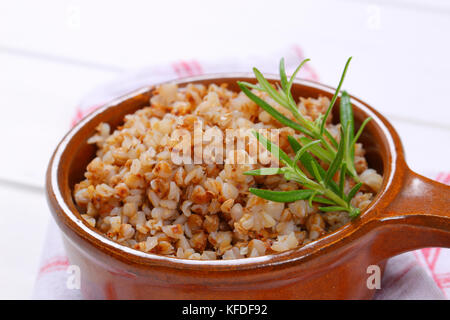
338	200
327	145
320	188
299	117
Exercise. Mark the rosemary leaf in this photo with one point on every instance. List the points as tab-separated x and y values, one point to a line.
251	85
342	180
332	208
363	125
291	80
283	77
317	150
333	100
346	114
317	172
322	200
311	197
337	161
305	148
269	88
273	148
295	145
272	111
282	196
331	138
353	191
348	124
265	172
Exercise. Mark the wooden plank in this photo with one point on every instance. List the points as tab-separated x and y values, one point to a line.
37	100
400	65
24	224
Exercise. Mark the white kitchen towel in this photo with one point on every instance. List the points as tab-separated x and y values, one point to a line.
422	274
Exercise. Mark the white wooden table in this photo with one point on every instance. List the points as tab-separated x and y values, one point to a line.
54	52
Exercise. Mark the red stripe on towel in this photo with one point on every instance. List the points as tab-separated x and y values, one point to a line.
447	179
187	68
444	280
110	292
429	257
443	177
80	114
54	264
197	66
177	70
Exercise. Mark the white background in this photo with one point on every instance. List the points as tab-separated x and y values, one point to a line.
52	53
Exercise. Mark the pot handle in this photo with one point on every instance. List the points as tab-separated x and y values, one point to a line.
418	216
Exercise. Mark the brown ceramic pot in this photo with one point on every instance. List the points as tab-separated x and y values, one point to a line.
409	212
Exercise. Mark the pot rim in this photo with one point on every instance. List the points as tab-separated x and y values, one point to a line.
69	218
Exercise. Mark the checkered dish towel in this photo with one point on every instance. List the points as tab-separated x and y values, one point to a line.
422	274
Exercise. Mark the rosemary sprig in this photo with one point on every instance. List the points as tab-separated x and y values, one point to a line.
319	186
322	189
327	149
